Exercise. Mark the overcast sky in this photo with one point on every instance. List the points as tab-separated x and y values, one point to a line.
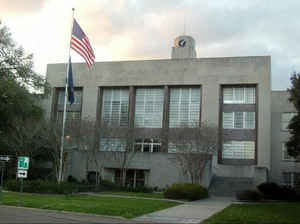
146	29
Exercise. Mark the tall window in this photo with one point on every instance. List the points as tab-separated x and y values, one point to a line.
291	179
147	145
113	144
184	107
285	120
115	107
239	95
149	107
285	155
70	115
239	120
238	150
77	97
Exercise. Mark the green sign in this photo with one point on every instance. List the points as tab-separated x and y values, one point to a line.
23	163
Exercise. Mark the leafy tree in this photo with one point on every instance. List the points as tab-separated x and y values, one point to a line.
293	144
19	86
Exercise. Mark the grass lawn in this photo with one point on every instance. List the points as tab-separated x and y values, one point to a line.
258	213
136	194
112	206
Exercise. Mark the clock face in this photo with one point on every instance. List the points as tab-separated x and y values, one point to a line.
181	43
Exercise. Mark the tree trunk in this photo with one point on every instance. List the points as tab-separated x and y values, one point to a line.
123	177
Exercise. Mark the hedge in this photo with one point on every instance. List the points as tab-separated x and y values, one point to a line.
40	186
186	191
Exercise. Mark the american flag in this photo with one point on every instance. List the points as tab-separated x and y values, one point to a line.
81	44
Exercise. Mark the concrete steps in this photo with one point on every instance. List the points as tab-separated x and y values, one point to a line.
229	186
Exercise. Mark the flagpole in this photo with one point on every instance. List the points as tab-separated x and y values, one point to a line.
60	174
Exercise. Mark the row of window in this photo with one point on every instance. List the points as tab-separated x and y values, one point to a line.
231	149
184	111
184	106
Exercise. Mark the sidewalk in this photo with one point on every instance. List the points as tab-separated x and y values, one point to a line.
190	212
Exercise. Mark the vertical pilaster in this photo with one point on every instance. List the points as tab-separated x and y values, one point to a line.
165	126
131	107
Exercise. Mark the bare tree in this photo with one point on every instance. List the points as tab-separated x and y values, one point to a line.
51	136
117	146
83	135
193	148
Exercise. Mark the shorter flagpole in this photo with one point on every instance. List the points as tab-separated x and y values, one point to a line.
60	173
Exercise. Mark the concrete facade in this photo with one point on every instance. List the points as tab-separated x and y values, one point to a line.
211	75
280	105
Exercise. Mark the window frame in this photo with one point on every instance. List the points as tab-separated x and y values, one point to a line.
61	95
110	122
285	153
153	142
109	139
191	107
291	177
234	95
285	128
243	120
142	121
233	149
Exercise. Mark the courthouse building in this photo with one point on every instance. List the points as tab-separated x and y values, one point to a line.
153	96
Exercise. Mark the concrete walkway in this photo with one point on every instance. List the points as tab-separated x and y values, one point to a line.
190	212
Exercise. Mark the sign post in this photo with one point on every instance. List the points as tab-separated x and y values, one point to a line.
3	160
23	165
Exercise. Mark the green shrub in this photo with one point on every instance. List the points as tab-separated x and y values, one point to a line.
186	191
12	185
109	185
142	189
249	195
270	190
72	179
276	192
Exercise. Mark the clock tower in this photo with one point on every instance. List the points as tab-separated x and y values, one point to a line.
184	47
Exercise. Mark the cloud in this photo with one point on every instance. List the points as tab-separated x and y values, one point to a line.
146	29
17	7
134	29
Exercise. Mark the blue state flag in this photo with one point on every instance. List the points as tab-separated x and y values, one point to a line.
70	83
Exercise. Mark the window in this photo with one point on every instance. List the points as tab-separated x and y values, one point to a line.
285	120
285	155
77	97
239	95
147	145
70	115
172	148
134	178
113	144
291	179
238	150
239	120
149	107
115	107
184	107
